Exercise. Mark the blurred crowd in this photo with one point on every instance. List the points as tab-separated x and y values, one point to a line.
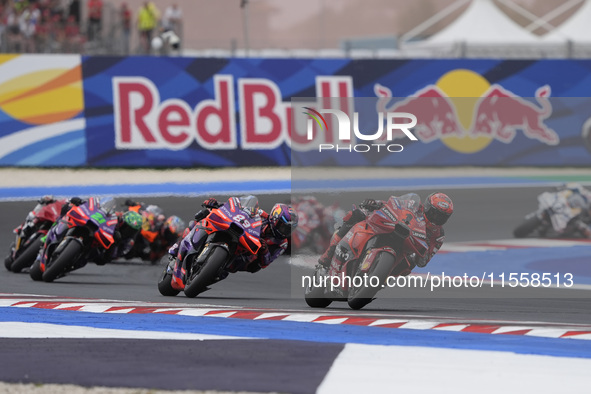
88	27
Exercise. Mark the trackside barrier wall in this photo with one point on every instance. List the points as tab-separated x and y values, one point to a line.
70	110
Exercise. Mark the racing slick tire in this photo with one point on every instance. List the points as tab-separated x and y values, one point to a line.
66	257
315	295
27	257
198	281
165	283
531	222
361	296
35	272
8	262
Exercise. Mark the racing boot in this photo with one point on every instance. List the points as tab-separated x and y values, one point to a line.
326	257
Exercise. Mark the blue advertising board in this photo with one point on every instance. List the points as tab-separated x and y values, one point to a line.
190	112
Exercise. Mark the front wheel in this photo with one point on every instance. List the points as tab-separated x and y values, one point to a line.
67	256
198	281
315	292
361	296
35	271
27	257
8	262
531	222
165	283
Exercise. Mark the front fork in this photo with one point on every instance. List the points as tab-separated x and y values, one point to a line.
23	232
52	240
371	255
191	243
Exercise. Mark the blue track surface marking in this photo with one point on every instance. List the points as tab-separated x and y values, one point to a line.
555	260
273	186
306	331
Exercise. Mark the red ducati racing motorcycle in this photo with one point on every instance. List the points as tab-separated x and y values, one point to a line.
30	235
212	247
369	253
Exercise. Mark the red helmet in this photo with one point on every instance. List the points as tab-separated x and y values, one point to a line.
438	208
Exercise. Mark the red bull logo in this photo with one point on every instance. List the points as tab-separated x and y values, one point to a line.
466	112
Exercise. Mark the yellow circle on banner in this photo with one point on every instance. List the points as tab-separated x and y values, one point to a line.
464	88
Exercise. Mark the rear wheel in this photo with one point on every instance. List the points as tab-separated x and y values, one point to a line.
67	256
27	256
381	268
531	222
35	271
315	295
198	282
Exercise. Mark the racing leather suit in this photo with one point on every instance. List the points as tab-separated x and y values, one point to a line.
271	247
435	237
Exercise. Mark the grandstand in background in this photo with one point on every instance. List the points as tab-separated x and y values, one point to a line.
348	28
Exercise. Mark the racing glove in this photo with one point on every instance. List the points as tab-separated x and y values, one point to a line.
47	199
371	205
210	203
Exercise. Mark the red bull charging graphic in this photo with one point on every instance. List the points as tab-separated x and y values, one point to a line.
451	111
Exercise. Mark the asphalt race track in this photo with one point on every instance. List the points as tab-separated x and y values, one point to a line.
480	214
270	288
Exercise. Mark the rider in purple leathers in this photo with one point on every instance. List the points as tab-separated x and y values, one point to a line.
123	232
276	228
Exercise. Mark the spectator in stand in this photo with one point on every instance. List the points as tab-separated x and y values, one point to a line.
173	18
147	20
125	15
42	32
14	37
74	10
3	12
73	38
56	9
20	5
95	16
28	25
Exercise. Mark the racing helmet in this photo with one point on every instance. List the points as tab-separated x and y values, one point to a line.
154	209
172	229
282	220
438	207
131	223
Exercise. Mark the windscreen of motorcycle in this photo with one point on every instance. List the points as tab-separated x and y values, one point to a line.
409	201
250	204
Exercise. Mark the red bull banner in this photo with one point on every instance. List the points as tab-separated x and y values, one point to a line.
187	112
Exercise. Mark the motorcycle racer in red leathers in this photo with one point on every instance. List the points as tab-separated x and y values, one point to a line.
437	209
